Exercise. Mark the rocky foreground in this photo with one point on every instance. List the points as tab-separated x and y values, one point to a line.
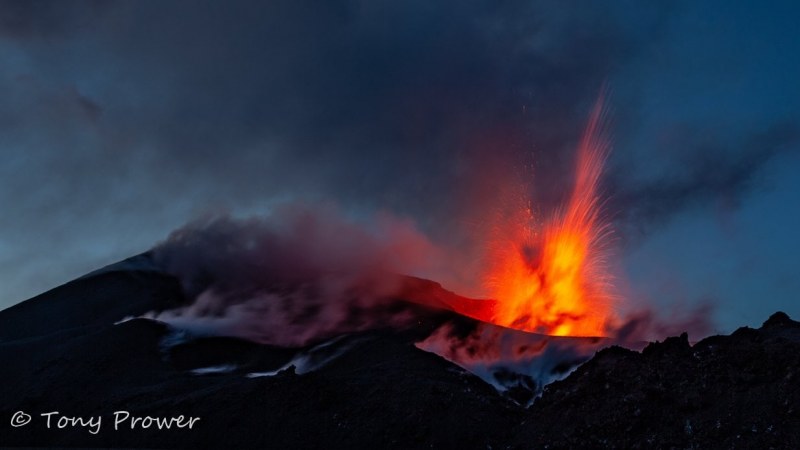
140	384
737	391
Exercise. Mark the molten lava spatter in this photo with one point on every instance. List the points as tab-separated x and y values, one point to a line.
549	276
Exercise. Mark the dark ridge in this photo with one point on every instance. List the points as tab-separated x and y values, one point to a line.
375	389
100	299
245	355
671	346
780	318
736	391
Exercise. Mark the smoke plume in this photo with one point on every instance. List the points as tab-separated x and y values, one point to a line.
295	276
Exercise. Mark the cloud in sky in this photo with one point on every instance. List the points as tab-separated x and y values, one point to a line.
708	172
123	120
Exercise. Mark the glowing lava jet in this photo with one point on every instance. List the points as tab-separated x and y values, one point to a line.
549	276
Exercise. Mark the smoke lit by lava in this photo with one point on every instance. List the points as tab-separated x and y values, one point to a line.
301	276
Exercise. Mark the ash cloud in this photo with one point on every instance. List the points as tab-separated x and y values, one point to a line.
709	172
21	19
645	325
122	120
295	277
137	116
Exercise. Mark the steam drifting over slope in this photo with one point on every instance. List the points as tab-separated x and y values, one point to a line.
295	276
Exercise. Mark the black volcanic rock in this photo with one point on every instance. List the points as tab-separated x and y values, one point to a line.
737	391
384	392
672	347
100	298
62	352
246	356
780	318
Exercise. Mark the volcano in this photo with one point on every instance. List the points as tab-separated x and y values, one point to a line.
84	367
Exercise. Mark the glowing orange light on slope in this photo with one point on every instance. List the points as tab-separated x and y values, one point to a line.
551	278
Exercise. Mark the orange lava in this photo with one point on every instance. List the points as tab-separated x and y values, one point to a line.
549	276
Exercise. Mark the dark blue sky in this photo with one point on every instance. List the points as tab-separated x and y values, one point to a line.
120	121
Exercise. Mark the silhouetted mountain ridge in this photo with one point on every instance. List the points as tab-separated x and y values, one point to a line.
373	389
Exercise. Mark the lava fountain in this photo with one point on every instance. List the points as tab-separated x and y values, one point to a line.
549	276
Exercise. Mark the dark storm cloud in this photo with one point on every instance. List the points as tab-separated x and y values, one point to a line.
709	170
399	105
40	18
402	105
122	120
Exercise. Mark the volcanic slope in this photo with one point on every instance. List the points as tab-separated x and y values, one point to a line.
62	352
737	391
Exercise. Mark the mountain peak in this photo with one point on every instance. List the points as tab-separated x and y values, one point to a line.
780	318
